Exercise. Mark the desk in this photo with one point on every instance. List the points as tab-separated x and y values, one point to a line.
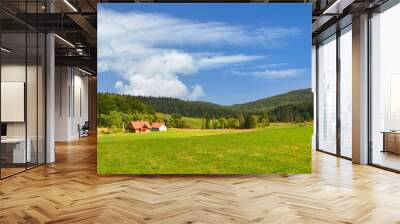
391	141
15	148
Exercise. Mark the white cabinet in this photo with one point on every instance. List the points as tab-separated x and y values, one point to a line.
19	155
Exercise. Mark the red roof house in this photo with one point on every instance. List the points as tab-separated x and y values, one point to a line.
139	126
158	127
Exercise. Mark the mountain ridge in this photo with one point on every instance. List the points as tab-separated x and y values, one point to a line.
291	97
288	105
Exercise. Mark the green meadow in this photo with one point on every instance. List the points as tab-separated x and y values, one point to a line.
274	149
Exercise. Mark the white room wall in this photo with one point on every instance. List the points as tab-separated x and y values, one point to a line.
61	103
33	126
16	73
81	94
71	87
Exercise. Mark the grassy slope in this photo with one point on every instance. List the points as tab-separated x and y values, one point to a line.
190	122
193	122
301	96
277	149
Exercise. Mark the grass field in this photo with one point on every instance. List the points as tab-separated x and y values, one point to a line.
275	149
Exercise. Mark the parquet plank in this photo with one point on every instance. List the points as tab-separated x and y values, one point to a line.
70	191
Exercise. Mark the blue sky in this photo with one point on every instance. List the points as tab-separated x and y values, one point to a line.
222	53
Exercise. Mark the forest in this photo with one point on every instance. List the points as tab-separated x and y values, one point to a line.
116	111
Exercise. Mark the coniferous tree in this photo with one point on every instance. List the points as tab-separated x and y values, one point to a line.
250	121
214	124
242	121
264	119
207	123
203	123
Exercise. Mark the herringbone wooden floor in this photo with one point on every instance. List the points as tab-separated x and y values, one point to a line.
70	191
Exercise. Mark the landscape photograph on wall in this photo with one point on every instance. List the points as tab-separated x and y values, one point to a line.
204	89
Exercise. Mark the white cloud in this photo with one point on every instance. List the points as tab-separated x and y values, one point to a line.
276	74
153	29
155	86
273	65
157	75
144	49
274	35
218	61
197	91
119	85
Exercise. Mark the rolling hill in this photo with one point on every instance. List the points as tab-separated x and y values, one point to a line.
298	97
280	107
